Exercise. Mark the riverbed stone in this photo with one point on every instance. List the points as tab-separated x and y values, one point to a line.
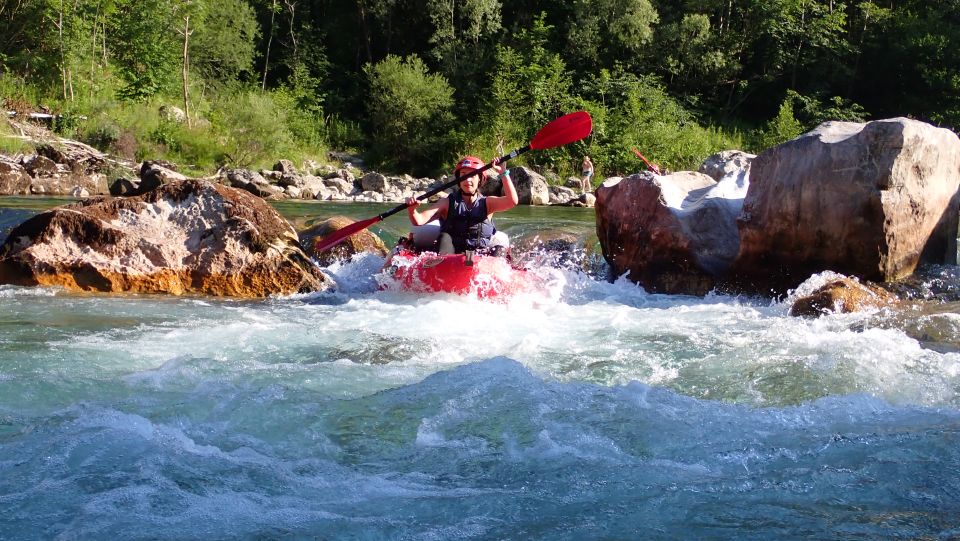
187	237
362	241
842	295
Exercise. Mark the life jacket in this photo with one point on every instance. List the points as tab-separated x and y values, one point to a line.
470	228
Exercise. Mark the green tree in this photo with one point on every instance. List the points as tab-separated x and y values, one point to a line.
410	111
782	127
601	32
147	53
692	55
458	25
531	83
224	42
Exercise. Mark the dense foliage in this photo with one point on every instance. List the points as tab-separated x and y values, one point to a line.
413	84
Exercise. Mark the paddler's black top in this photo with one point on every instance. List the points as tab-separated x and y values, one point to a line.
469	227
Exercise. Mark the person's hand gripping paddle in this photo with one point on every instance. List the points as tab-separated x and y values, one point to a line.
562	131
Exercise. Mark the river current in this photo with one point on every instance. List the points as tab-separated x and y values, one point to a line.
589	410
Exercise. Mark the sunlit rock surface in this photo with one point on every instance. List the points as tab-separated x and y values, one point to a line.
842	295
674	233
868	200
185	237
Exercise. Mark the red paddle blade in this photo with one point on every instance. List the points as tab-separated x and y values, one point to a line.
562	131
337	237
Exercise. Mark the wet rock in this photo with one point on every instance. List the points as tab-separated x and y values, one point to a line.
186	237
671	234
843	295
362	241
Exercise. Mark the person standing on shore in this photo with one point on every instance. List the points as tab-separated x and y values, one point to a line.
587	169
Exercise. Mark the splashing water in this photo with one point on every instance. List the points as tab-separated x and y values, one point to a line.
587	410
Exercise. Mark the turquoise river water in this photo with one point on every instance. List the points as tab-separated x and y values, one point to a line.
590	410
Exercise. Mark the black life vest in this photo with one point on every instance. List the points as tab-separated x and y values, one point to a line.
470	228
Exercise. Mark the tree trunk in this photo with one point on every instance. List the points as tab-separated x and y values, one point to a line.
186	69
266	57
63	56
292	8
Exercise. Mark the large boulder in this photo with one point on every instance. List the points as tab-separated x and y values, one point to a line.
532	188
185	237
672	234
868	200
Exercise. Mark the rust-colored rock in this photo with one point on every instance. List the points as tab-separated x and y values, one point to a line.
671	234
843	295
362	241
188	237
868	200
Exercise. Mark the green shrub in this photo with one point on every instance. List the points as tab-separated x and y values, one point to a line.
411	113
252	127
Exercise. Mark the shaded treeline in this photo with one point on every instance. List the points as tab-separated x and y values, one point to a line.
412	83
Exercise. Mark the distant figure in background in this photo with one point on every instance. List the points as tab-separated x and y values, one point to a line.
587	169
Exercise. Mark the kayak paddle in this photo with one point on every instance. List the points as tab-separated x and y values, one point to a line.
653	168
561	131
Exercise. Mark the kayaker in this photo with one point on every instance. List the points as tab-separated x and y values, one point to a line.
466	214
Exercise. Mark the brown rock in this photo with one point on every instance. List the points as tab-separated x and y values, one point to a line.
186	237
362	241
670	233
14	179
868	200
844	295
38	165
532	188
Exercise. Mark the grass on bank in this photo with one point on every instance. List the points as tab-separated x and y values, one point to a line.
11	143
237	127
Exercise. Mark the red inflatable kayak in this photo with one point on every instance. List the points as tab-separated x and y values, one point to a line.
488	277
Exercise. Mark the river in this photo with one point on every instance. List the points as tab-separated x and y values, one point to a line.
590	410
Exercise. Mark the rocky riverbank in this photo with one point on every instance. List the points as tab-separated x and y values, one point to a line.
62	167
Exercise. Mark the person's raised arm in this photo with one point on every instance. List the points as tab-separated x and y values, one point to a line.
509	199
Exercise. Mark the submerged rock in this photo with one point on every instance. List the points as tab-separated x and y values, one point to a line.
842	295
185	237
361	241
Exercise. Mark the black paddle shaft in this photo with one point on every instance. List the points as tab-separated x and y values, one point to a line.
456	180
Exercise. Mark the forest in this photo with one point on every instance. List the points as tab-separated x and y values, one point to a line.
412	84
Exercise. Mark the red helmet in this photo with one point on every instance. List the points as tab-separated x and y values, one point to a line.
467	164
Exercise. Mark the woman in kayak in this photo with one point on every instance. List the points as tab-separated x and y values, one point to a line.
466	214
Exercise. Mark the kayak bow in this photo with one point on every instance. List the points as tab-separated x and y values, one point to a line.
487	277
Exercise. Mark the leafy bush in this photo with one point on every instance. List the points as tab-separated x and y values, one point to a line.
780	128
252	128
411	113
